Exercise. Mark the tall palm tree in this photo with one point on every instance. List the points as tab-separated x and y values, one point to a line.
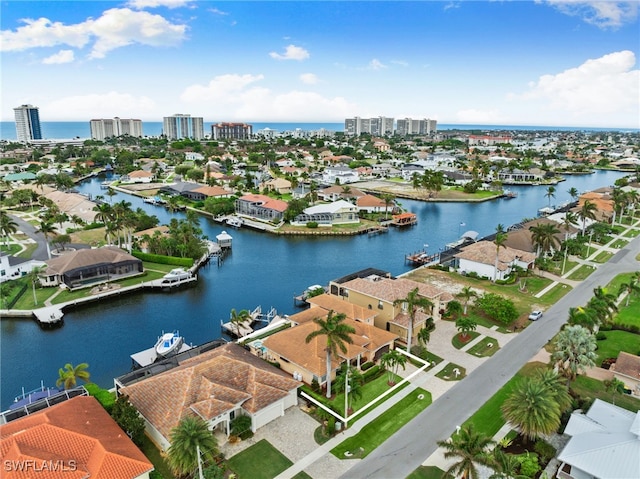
583	317
471	448
424	335
238	318
388	200
47	229
392	361
630	287
7	226
191	440
544	237
413	303
620	200
574	351
552	380
105	215
587	211
551	193
532	409
337	335
499	241
604	303
466	295
573	192
70	374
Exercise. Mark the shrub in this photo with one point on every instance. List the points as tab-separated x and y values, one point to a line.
315	385
241	426
545	450
498	308
331	425
106	398
372	373
312	224
600	336
160	259
529	465
367	365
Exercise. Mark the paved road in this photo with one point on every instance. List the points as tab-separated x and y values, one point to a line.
27	228
409	447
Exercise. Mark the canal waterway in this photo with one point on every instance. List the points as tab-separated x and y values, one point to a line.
263	270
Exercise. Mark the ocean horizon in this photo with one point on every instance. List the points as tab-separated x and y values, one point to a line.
63	130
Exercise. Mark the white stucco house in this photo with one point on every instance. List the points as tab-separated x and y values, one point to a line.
480	258
339	174
329	214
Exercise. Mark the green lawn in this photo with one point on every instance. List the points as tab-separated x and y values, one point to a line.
385	425
260	461
448	373
619	244
153	454
370	391
632	233
26	300
28	251
554	294
617	341
426	472
486	347
614	284
582	272
459	344
488	419
603	257
629	315
11	249
592	388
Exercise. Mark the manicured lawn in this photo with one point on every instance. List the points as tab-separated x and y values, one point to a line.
12	249
370	391
592	388
488	419
42	294
153	454
458	343
614	284
554	294
448	373
620	243
260	461
632	233
85	292
617	341
381	428
486	347
426	472
629	315
582	272
603	257
165	268
28	251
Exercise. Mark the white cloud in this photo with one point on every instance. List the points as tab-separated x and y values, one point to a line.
601	13
63	56
479	117
292	52
115	28
603	86
140	4
107	105
309	78
376	64
240	97
217	11
402	63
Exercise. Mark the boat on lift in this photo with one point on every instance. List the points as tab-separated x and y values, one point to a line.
168	343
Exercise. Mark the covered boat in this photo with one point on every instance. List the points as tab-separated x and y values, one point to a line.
168	343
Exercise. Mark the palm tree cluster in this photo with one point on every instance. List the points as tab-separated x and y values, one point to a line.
574	351
119	220
184	239
623	200
601	307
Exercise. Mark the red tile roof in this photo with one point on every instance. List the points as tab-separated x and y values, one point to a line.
73	439
266	202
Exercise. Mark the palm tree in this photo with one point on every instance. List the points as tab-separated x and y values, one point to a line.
388	200
506	466
424	335
573	192
47	229
620	200
34	279
574	351
583	317
587	211
412	303
105	216
551	193
191	440
392	361
604	303
471	447
499	241
544	237
466	295
532	408
630	287
337	334
237	319
552	380
7	226
465	325
349	382
70	375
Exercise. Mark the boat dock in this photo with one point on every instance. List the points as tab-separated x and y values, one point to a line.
149	356
49	316
422	258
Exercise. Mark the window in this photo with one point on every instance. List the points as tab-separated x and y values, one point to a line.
380	305
369	306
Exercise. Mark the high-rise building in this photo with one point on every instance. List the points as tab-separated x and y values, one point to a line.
102	129
231	131
409	126
181	126
379	126
27	123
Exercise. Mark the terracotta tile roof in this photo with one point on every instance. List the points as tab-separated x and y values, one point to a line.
389	290
78	431
87	257
308	314
484	252
266	202
212	191
209	384
628	364
370	200
140	174
402	319
330	302
291	344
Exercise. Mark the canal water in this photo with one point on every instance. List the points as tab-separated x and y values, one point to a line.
263	270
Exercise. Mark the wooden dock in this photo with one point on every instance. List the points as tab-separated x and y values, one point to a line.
422	258
49	315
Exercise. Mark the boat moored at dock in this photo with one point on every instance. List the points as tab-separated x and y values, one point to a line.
168	343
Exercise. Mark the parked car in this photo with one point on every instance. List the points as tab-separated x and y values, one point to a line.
535	315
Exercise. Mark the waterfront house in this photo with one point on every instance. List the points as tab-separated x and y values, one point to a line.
603	200
339	174
627	369
336	192
73	439
308	360
480	258
522	238
217	385
261	207
330	302
373	204
328	214
604	444
376	292
279	185
12	267
86	267
138	176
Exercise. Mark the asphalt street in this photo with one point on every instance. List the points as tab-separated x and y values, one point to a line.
414	443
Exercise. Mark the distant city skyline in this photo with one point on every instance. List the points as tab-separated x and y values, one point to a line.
546	62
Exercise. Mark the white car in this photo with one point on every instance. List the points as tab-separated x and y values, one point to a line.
535	315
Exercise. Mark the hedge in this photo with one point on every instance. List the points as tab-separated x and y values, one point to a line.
104	397
160	259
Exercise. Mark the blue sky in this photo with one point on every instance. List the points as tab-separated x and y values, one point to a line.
544	62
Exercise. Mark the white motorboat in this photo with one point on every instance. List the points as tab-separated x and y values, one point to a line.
235	222
168	343
176	275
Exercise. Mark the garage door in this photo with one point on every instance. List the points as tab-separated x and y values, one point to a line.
268	414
